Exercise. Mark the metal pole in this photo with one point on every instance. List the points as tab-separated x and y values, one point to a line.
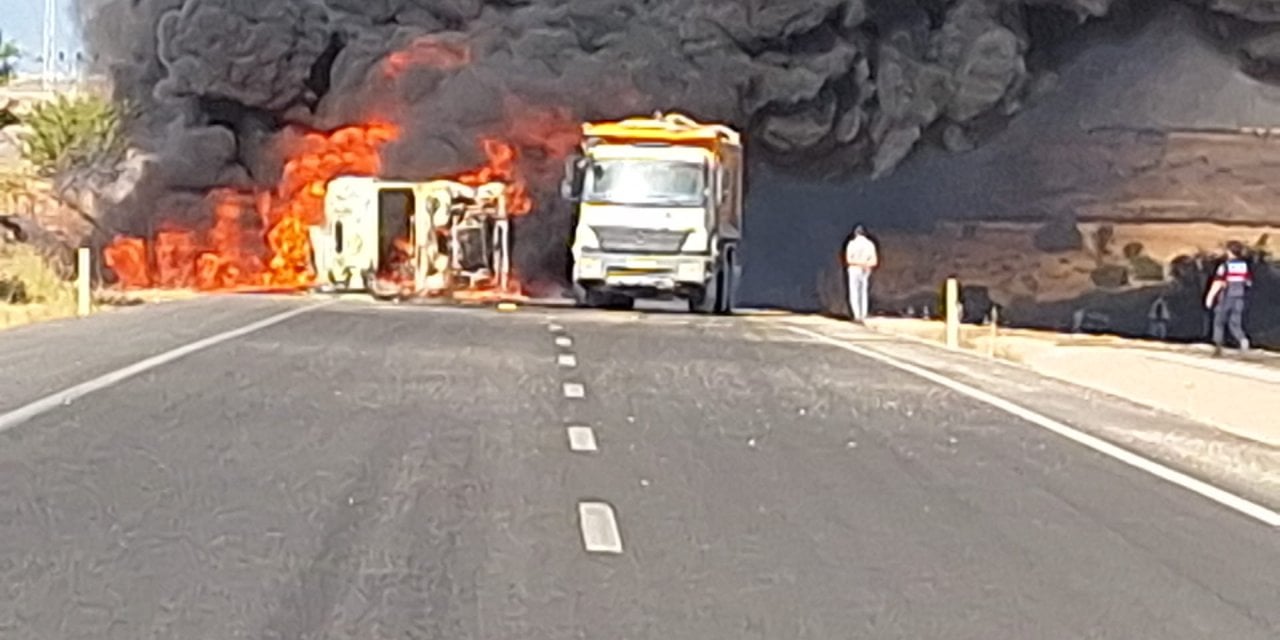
953	313
83	282
48	43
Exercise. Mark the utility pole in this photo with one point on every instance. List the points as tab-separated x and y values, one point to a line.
49	44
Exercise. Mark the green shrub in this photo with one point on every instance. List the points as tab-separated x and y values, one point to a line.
1146	269
27	277
72	132
1110	276
1133	250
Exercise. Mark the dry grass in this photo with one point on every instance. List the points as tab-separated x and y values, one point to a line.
34	290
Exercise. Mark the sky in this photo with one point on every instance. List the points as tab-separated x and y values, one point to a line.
20	22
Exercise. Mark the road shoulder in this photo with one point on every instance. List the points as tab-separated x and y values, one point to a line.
1241	466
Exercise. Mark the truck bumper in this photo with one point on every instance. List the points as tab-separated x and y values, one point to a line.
659	273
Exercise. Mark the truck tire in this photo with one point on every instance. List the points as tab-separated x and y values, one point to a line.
619	302
584	297
588	298
727	284
708	299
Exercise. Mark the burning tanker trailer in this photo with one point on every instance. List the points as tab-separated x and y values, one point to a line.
398	239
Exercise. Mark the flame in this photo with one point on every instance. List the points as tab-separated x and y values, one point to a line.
233	252
127	257
501	167
261	239
176	256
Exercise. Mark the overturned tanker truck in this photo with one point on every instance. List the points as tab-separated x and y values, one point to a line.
397	239
659	212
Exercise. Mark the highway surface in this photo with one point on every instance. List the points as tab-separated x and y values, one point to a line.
368	471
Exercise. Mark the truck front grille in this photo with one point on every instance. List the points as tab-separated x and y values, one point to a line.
632	240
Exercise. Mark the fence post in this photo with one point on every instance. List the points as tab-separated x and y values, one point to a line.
995	331
953	313
84	281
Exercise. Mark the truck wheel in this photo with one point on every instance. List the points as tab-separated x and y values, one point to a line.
621	303
726	285
584	297
708	299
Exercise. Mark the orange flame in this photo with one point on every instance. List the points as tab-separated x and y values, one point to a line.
501	167
232	253
235	253
262	239
127	257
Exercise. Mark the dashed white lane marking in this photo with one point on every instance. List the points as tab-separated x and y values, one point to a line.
1226	499
555	328
564	341
71	394
567	360
599	528
574	390
582	439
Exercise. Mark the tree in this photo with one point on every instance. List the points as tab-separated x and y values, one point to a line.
72	132
9	54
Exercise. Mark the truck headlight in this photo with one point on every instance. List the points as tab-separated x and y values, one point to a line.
691	272
590	268
695	242
585	238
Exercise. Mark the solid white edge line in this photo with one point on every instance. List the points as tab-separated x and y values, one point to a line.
1221	496
582	439
66	396
599	528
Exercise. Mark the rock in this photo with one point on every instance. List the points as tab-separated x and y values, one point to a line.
11	143
1146	269
1102	238
976	304
1059	235
1110	276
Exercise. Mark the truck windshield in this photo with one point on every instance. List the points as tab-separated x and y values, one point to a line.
645	182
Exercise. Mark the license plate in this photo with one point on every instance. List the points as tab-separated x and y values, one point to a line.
641	263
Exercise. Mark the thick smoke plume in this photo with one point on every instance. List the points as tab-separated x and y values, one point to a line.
837	84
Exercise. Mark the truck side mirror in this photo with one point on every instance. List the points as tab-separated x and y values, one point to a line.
570	184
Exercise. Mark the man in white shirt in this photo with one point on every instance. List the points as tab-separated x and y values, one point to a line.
860	259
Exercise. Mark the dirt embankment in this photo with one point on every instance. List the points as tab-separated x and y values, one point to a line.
1114	275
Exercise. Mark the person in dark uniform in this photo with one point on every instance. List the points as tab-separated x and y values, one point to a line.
1226	297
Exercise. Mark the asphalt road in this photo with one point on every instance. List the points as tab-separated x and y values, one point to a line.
374	471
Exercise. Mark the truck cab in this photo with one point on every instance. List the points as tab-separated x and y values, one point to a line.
658	213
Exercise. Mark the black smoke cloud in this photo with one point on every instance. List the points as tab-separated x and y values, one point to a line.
836	85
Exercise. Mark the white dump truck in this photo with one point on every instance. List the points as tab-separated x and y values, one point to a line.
405	239
659	212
